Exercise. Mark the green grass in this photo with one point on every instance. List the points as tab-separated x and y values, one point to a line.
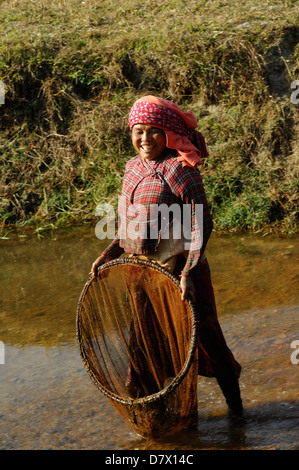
73	69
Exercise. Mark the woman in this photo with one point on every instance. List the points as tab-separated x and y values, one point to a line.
165	174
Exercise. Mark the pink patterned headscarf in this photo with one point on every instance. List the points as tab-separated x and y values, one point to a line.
179	127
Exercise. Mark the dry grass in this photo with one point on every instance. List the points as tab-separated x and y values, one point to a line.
72	70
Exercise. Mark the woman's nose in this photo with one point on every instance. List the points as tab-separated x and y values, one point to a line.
146	137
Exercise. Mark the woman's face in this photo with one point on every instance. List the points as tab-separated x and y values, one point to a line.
148	141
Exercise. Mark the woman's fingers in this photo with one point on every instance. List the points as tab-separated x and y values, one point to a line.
187	288
102	259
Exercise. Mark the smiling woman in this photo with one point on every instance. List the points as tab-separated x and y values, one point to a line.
165	173
148	141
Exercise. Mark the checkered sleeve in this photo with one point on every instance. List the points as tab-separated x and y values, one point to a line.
186	184
114	250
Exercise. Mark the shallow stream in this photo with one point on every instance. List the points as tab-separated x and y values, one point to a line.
47	399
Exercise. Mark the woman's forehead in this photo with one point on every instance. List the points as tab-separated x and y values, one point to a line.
145	127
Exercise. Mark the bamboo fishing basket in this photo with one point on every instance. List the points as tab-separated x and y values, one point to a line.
137	340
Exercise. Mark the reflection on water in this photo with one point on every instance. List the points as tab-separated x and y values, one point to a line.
47	399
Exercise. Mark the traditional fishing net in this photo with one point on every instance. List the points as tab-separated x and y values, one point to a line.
137	341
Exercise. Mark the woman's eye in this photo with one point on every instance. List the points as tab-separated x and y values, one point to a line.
151	133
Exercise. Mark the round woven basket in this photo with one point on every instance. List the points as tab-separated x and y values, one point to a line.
137	340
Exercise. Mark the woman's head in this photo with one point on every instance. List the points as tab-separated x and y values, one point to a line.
163	114
149	141
178	128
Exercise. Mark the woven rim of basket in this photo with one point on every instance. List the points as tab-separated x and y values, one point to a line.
178	379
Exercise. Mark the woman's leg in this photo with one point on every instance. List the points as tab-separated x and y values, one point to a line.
215	358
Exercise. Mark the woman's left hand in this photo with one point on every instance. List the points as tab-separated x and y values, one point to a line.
187	288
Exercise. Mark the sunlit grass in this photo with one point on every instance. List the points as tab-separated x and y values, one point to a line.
72	70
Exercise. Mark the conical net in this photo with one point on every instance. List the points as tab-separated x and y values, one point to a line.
137	340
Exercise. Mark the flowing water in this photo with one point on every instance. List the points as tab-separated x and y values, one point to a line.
47	399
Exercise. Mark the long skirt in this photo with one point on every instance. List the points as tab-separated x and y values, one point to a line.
215	358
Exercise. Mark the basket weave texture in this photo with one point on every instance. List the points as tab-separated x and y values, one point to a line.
137	340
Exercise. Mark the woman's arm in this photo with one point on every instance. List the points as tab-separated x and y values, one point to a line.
186	184
113	251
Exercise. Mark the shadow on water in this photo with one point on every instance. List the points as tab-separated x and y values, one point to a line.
275	423
47	399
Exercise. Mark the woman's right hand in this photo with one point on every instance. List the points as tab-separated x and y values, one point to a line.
187	288
102	259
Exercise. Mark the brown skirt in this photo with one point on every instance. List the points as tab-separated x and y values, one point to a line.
215	358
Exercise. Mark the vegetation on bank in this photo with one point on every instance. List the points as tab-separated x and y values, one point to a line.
73	69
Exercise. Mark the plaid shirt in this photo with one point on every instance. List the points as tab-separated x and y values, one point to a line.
148	185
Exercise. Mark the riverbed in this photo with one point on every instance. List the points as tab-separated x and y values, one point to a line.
47	398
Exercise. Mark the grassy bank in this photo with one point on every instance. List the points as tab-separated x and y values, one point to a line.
73	69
